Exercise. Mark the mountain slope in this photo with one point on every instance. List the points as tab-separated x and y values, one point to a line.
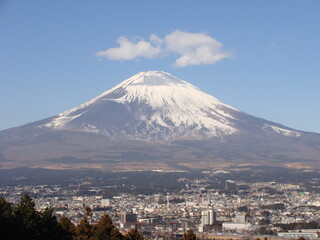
155	120
150	104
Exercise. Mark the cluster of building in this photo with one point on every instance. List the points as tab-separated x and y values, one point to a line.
208	212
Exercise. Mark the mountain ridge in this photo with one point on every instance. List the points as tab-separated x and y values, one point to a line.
154	119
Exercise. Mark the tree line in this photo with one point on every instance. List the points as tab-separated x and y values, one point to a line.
24	222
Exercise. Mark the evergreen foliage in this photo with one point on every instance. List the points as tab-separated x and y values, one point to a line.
24	222
84	231
106	230
6	218
27	220
67	228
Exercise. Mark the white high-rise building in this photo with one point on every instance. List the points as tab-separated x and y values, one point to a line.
208	217
105	203
240	218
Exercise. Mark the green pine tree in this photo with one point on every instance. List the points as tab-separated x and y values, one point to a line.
50	230
27	220
105	230
84	231
6	219
67	228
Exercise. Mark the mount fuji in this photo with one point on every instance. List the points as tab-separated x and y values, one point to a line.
154	120
150	105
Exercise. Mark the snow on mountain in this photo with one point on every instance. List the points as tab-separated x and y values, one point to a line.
154	103
281	131
155	120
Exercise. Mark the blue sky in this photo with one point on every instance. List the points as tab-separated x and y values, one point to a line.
269	65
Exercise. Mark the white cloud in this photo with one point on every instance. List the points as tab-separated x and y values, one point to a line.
192	48
195	48
129	50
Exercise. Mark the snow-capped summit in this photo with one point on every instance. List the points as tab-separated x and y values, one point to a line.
153	78
154	104
155	120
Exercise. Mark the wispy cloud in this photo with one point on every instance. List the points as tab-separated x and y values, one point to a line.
192	48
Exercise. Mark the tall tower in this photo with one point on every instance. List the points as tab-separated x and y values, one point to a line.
208	217
199	198
229	183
